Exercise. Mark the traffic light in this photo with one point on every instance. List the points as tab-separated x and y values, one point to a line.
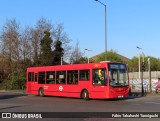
143	66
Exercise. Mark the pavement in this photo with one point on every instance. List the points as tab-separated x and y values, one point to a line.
145	94
15	91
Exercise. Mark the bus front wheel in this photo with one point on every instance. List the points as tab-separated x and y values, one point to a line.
41	92
85	95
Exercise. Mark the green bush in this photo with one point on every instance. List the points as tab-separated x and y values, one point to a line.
15	82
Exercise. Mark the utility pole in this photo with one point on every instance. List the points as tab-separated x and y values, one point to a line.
143	69
105	26
149	70
139	65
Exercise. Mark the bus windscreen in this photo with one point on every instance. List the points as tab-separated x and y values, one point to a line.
118	75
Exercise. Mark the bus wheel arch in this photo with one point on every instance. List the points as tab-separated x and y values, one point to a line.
85	94
41	92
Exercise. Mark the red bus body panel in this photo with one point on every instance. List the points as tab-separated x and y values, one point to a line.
75	90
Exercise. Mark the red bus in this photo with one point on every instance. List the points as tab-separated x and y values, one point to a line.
102	80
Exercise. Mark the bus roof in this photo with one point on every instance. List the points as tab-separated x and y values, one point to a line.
74	66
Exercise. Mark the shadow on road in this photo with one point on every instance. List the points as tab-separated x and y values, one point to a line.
4	96
10	107
131	96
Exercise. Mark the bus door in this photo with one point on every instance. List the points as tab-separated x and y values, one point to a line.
99	80
29	81
34	84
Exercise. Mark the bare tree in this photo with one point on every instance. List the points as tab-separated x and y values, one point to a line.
26	44
63	37
11	44
35	46
10	40
76	55
37	35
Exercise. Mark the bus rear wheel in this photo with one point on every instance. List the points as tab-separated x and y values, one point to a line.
85	95
41	92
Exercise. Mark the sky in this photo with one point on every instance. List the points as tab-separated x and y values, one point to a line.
130	23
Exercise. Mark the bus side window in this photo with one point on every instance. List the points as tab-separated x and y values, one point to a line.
41	77
84	75
50	79
60	77
35	77
30	76
72	77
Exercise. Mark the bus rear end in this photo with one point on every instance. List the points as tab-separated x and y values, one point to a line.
118	80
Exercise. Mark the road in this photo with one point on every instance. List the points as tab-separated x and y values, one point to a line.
15	102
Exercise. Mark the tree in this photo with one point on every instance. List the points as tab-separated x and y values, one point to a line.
111	56
134	64
4	68
11	50
58	52
158	64
76	55
62	36
83	60
42	25
26	47
35	46
46	51
10	40
154	63
11	45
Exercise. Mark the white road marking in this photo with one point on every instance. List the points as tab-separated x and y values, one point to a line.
136	104
153	103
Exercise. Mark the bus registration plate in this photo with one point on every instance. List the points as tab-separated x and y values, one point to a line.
120	96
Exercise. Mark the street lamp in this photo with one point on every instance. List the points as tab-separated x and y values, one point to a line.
87	50
105	22
139	61
142	68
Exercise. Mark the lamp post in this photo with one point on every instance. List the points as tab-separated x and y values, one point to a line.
87	50
139	61
142	68
149	70
105	30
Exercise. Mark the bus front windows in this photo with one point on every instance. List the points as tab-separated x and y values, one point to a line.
118	75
